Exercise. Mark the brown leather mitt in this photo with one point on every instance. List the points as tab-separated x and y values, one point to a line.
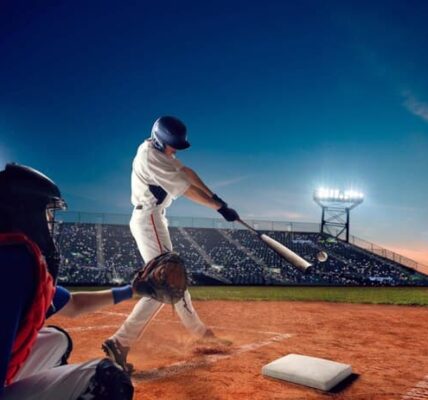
164	279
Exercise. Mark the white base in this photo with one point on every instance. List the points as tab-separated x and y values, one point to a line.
309	371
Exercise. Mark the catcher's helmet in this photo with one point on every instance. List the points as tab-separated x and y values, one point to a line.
169	131
27	199
25	187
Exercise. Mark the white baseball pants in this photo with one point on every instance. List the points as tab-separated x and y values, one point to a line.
41	379
150	231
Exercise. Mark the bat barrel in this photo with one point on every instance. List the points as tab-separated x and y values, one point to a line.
281	250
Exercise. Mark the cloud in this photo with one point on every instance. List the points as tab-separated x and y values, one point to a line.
415	106
228	182
397	207
280	214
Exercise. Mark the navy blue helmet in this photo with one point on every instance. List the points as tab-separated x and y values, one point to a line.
169	131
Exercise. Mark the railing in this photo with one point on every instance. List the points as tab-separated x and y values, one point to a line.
189	222
284	226
388	254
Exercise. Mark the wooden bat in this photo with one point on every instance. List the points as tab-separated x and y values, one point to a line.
280	249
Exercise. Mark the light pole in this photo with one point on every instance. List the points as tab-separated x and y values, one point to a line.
336	206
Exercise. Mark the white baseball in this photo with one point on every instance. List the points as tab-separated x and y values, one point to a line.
322	256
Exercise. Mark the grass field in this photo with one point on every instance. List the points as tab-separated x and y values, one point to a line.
373	295
376	295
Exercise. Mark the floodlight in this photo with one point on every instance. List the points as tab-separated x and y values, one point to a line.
337	195
336	205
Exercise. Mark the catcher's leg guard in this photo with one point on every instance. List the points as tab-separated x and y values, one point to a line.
110	382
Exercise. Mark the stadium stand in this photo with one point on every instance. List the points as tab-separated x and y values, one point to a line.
103	254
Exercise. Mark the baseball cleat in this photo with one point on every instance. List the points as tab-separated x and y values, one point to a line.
209	334
118	354
209	338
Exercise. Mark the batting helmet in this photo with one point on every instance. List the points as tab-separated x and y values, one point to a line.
169	131
27	199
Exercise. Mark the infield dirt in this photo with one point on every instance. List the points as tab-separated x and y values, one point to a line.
386	346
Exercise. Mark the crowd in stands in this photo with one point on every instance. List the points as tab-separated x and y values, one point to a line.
102	254
107	255
238	267
78	243
187	250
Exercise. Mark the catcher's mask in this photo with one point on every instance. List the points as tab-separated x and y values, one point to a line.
28	201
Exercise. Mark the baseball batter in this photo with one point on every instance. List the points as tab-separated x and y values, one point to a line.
158	178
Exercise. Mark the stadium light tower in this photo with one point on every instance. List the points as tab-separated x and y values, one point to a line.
336	206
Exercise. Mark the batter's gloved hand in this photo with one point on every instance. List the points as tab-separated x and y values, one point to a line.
164	279
219	200
229	214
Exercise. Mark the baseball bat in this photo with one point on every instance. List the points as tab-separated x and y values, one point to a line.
280	249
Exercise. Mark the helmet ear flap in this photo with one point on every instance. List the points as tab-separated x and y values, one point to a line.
157	143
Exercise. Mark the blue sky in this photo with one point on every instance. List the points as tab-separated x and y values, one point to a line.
279	98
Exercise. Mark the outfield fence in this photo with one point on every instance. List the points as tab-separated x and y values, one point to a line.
266	225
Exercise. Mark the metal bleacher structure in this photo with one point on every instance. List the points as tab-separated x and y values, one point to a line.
108	233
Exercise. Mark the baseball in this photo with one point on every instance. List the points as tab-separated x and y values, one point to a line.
322	256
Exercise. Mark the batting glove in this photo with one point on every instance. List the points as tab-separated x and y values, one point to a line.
229	214
219	200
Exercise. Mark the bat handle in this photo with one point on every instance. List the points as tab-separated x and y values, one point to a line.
248	226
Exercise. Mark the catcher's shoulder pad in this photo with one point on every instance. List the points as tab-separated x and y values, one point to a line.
32	319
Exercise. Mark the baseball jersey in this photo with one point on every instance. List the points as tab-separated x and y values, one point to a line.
156	179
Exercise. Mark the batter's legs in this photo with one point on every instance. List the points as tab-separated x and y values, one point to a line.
134	325
150	231
189	317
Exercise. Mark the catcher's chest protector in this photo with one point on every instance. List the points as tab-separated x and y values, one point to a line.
34	318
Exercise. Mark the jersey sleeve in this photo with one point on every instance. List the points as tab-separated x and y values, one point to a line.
61	298
167	173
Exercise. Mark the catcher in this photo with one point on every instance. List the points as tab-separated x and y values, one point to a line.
157	179
32	356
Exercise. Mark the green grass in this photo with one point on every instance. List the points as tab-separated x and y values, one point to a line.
379	295
373	295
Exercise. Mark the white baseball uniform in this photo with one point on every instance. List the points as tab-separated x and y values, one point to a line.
40	378
156	181
43	377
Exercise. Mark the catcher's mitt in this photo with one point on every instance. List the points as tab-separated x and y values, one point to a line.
164	279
